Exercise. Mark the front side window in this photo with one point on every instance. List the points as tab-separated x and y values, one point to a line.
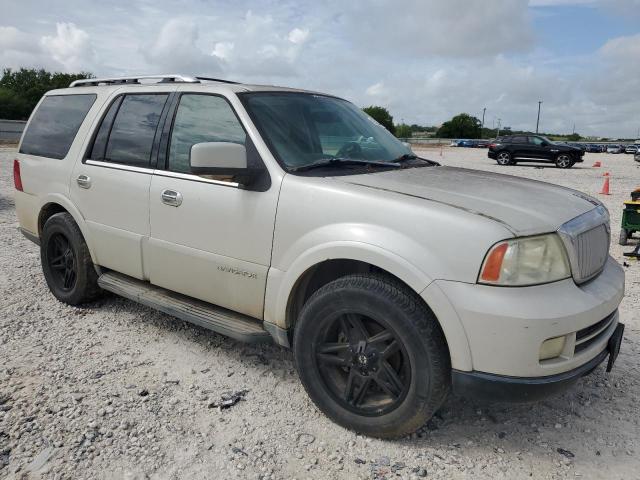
305	128
55	124
199	119
539	141
128	130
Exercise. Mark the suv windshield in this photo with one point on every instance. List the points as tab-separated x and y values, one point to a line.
304	129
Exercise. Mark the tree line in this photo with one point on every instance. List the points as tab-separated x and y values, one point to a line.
20	90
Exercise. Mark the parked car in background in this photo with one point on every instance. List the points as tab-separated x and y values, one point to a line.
614	149
636	157
533	148
631	149
482	143
467	143
593	148
274	214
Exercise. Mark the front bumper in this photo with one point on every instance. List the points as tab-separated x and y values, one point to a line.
501	388
505	327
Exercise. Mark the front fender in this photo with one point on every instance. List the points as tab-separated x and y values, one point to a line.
280	283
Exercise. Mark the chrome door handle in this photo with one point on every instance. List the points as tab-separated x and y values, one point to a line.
83	181
171	197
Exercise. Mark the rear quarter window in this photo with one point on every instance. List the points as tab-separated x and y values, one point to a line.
55	124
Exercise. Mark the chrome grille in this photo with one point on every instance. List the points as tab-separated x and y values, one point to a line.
592	248
586	239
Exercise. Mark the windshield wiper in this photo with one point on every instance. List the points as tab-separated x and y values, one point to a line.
412	156
405	156
327	162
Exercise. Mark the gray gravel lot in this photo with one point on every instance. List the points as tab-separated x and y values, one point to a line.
116	390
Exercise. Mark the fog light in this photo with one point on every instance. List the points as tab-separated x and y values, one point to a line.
552	348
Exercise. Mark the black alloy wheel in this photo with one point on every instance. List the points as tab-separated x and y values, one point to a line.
62	261
363	364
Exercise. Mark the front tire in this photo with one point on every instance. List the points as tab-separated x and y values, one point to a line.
66	261
372	356
564	160
504	158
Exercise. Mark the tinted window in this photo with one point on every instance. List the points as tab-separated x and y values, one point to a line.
519	140
201	118
100	143
55	124
134	129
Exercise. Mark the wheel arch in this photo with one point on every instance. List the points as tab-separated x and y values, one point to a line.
55	203
288	291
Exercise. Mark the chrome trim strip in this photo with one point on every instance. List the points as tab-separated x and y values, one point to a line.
193	178
119	166
571	231
161	173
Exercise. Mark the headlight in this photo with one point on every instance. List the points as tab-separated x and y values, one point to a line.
525	261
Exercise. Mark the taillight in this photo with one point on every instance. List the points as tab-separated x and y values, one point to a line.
492	145
17	179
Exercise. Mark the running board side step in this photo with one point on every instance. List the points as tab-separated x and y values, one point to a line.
220	320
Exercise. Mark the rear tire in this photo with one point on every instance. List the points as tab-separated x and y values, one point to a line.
564	160
66	261
504	158
371	355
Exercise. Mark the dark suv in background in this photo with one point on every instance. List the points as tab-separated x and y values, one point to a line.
533	148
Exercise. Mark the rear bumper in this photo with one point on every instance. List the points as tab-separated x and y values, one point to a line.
491	154
501	388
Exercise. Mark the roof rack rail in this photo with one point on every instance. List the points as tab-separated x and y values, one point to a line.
221	80
93	82
167	78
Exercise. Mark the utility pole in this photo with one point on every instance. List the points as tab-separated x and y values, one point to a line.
538	121
482	127
499	124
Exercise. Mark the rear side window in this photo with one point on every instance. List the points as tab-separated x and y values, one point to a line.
519	140
55	124
127	131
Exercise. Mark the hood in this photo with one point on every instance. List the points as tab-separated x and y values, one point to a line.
525	207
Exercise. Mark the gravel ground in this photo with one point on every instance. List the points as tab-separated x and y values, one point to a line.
116	390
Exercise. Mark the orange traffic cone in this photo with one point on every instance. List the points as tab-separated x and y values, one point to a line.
597	164
605	185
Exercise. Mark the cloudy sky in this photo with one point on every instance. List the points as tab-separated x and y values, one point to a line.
425	60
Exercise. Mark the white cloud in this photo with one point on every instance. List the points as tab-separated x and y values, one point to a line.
376	89
223	50
71	47
298	35
433	27
177	49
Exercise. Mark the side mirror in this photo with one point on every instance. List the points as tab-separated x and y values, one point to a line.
222	158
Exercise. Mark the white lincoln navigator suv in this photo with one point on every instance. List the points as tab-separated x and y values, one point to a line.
272	214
